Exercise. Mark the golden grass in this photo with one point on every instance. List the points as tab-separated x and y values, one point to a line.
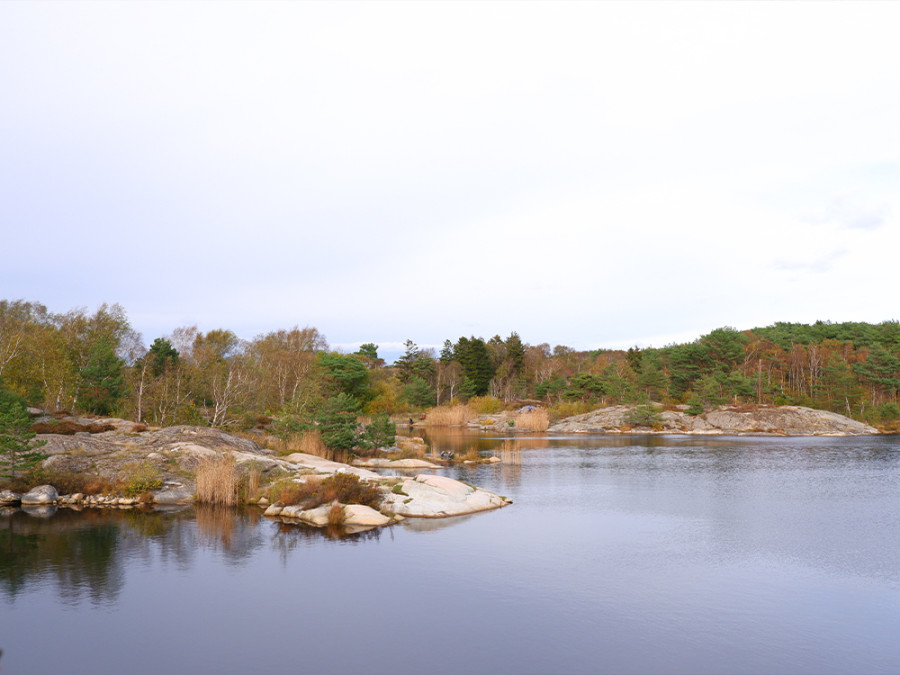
308	442
536	420
450	416
217	481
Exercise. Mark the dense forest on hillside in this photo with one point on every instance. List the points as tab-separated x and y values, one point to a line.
96	363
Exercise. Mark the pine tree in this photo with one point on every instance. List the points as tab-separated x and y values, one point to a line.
17	450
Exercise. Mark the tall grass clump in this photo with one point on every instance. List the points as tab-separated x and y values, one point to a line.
450	416
217	481
307	442
536	420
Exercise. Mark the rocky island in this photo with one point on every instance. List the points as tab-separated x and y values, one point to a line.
171	457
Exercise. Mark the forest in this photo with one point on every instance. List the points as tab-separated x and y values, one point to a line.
96	363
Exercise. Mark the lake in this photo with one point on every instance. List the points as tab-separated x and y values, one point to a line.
630	554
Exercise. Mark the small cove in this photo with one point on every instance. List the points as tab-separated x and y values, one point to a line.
629	554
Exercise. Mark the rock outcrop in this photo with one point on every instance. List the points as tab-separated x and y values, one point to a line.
745	419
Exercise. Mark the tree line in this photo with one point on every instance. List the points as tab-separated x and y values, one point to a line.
97	363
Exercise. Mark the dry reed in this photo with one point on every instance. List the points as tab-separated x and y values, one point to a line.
536	420
308	442
450	416
217	481
253	476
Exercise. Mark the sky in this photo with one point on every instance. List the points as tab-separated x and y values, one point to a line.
597	175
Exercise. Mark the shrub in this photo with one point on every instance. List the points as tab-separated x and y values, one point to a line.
644	416
336	515
485	405
570	408
69	428
345	488
145	478
289	492
695	406
68	483
888	412
217	481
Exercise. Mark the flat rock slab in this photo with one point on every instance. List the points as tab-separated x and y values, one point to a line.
326	465
385	463
431	496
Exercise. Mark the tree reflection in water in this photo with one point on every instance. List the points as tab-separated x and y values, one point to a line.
84	554
76	551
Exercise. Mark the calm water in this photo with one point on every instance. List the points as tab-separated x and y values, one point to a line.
619	555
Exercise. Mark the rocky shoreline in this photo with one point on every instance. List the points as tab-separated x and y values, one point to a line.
173	454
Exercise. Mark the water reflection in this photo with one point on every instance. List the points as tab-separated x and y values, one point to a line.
77	553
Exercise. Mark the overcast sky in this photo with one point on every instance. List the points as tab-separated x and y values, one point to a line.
588	174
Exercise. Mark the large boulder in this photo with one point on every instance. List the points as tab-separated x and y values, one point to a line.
41	495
